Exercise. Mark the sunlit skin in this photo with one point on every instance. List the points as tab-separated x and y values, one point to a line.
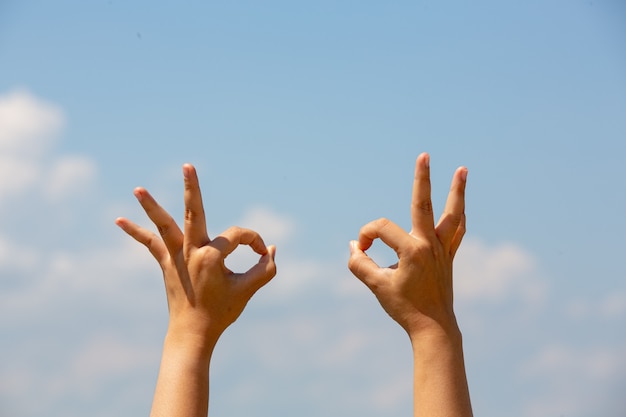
204	297
417	291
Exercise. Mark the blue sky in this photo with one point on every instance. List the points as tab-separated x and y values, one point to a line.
304	120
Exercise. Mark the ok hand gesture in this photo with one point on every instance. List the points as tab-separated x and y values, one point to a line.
417	291
204	296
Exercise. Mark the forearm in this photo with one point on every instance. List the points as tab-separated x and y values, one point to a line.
182	388
440	383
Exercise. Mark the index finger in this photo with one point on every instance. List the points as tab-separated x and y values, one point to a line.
195	222
390	233
228	241
422	220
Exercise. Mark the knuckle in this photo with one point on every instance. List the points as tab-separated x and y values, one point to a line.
163	229
422	249
151	241
193	214
189	215
188	184
383	223
417	250
425	206
234	231
211	256
456	218
453	220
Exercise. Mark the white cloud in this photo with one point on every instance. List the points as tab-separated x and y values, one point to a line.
69	175
392	394
273	227
17	173
496	273
17	256
578	308
27	123
52	279
106	355
28	128
565	377
59	321
611	306
294	275
577	381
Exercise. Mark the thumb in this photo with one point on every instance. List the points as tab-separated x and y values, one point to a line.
262	272
362	266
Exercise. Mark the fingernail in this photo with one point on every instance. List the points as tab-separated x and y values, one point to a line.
186	171
464	174
427	161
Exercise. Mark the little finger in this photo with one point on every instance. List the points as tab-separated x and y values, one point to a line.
147	238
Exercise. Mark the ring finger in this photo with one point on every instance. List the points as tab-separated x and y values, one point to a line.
167	227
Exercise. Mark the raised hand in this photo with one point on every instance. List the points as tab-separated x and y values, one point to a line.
204	296
417	291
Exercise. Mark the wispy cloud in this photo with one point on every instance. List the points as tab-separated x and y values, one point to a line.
27	123
577	380
29	128
495	273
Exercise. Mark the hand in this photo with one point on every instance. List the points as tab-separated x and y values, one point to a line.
417	291
204	296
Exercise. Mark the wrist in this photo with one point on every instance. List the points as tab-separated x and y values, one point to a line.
195	345
436	336
440	384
